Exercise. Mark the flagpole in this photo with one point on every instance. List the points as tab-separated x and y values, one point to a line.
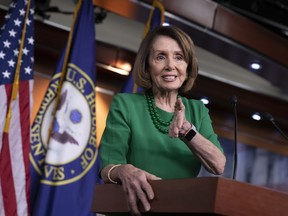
17	73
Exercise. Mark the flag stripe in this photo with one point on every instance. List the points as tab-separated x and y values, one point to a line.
2	210
3	110
16	156
7	182
25	108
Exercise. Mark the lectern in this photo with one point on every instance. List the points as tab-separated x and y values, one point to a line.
204	195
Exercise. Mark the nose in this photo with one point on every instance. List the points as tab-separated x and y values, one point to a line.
170	65
169	68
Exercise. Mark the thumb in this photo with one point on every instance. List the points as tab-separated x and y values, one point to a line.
152	177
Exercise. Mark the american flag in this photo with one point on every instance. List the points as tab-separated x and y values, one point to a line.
16	54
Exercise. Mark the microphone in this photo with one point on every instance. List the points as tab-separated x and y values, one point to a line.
270	118
234	102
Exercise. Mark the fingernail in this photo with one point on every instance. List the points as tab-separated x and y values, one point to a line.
147	208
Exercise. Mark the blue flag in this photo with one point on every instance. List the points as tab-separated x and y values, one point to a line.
156	18
129	86
64	155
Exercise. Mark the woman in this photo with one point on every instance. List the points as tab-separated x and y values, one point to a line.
157	134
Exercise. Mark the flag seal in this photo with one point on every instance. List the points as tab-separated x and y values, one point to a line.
73	135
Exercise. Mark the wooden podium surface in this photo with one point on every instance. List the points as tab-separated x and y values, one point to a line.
209	195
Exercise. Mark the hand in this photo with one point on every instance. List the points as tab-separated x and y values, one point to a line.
179	124
136	186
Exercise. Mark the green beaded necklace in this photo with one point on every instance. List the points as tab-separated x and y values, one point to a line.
161	125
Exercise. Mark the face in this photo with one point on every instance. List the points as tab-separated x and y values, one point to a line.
167	66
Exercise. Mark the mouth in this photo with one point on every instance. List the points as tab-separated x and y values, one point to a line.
169	78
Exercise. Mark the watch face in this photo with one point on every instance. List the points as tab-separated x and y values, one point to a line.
189	136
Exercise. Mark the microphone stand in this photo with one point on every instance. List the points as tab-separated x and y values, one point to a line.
272	120
234	102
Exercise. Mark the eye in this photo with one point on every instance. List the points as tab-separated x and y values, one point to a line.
160	57
179	57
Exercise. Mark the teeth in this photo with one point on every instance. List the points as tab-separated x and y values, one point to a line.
169	78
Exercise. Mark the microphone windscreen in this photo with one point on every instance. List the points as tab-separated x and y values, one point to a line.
234	99
269	117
